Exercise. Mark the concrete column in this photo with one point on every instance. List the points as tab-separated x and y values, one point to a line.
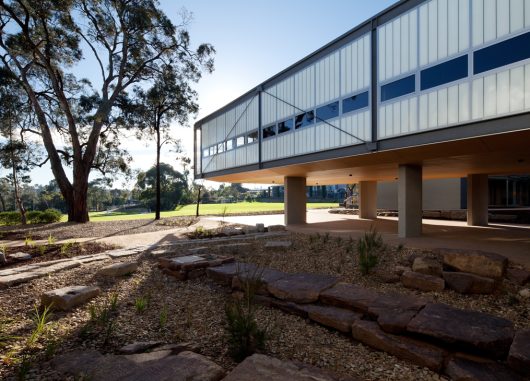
410	201
295	200
368	199
477	200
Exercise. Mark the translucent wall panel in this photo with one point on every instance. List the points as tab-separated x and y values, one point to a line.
398	46
285	92
304	93
328	137
284	145
355	66
304	140
327	79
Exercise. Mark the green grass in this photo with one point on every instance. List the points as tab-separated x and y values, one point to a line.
206	209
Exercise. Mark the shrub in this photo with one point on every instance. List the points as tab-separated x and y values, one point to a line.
47	217
10	218
245	337
369	247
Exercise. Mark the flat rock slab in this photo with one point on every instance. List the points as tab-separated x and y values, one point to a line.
120	253
519	276
278	244
346	295
465	329
420	353
118	269
156	366
423	282
397	321
235	248
394	302
225	273
333	317
139	347
20	256
57	267
91	258
467	283
301	288
265	368
519	356
261	276
199	250
476	262
463	369
69	297
427	266
16	279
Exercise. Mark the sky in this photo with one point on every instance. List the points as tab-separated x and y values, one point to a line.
254	40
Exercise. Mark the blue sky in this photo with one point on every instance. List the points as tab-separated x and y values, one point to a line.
254	40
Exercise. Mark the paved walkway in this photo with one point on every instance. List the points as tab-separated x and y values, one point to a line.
512	241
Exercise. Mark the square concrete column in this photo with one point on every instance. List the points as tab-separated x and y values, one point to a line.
477	200
368	199
295	200
410	201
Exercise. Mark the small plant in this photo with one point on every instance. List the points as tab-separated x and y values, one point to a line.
102	319
24	368
51	240
223	214
40	319
245	337
29	242
42	249
162	319
141	304
65	247
368	247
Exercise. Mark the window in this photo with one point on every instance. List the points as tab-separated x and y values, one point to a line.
305	119
240	140
229	144
213	150
285	126
398	88
501	54
221	147
252	137
446	72
355	102
206	152
328	111
269	132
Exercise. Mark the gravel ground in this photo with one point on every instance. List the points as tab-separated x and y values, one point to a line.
69	230
195	313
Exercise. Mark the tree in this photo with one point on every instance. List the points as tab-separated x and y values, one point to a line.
173	187
130	42
169	99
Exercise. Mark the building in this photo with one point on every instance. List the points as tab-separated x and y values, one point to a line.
424	90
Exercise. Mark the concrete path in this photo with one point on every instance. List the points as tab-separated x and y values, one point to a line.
512	241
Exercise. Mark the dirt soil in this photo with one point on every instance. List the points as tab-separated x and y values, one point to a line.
70	230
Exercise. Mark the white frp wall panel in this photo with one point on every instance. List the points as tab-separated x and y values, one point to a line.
304	140
327	79
398	49
285	91
356	125
443	29
304	94
328	135
495	19
355	68
284	145
268	149
268	108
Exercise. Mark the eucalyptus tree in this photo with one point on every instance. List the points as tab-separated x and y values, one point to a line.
124	43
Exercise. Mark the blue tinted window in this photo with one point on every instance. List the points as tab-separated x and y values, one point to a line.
240	140
446	72
252	137
305	119
285	126
355	102
504	53
206	152
398	88
229	144
269	132
328	111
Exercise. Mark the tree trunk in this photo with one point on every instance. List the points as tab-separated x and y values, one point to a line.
77	201
157	211
2	201
18	199
198	201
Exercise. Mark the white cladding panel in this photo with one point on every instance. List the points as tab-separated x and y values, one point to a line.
304	89
327	79
355	70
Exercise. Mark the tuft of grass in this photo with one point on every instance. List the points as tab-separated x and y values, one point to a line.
65	247
141	303
162	319
40	319
42	250
29	242
51	240
369	247
102	319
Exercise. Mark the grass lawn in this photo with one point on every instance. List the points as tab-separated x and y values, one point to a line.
207	209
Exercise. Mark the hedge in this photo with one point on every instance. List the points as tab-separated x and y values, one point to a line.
33	217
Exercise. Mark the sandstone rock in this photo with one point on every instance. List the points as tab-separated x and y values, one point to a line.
392	302
422	354
276	228
387	277
261	276
69	297
346	295
333	317
420	281
260	228
464	369
471	330
278	244
235	248
466	283
139	347
20	256
18	278
264	368
427	266
197	273
518	276
399	270
476	262
199	250
519	356
301	288
223	274
160	365
120	253
524	293
179	262
178	275
395	321
118	269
